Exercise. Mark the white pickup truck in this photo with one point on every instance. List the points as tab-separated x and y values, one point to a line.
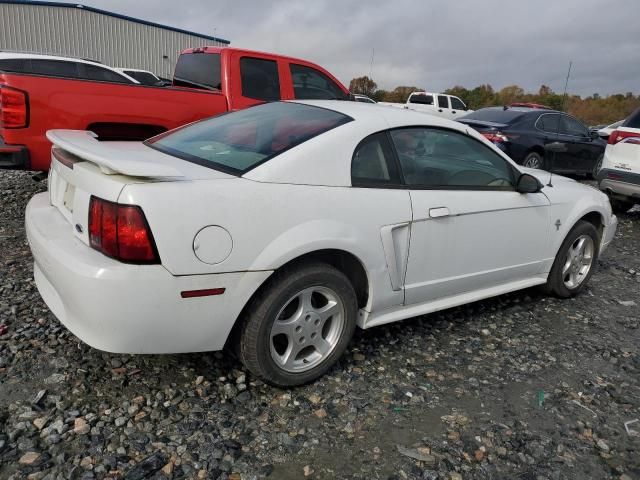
439	104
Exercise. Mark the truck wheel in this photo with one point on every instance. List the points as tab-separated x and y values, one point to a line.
299	326
533	160
575	261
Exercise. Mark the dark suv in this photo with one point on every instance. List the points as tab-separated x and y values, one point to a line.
540	138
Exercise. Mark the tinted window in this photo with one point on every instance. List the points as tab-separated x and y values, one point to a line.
421	99
199	70
444	158
443	101
260	79
549	123
12	65
93	72
144	78
310	84
457	104
496	115
238	141
54	68
373	164
633	121
574	127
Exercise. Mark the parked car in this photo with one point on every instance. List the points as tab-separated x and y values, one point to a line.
606	131
620	174
207	81
144	77
68	67
439	104
540	138
277	229
362	98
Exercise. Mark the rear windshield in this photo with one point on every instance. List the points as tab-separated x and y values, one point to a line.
633	121
495	115
198	70
239	141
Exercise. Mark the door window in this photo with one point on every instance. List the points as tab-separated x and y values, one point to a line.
457	104
549	122
260	79
373	164
445	159
443	101
310	84
574	127
55	68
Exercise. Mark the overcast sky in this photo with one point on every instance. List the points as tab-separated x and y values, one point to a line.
429	44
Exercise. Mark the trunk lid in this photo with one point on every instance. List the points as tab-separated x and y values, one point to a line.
82	166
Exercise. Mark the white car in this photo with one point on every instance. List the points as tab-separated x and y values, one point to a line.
608	130
56	66
277	229
362	98
619	176
144	77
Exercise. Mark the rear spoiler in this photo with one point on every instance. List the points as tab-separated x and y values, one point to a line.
111	157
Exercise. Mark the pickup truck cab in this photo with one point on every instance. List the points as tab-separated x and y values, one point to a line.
439	104
207	81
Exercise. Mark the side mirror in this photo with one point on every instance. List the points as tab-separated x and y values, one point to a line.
593	134
528	184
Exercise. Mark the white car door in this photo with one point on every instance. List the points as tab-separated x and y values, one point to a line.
458	109
444	109
470	228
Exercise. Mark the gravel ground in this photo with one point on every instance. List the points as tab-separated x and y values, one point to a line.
517	387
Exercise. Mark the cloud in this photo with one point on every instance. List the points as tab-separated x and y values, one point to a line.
431	44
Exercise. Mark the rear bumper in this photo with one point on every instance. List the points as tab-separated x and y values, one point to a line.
620	183
124	308
15	157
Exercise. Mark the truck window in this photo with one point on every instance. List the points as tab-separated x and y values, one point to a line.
260	79
198	70
54	68
310	84
457	104
421	98
443	101
12	65
93	72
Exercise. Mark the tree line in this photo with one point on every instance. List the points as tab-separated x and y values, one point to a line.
593	110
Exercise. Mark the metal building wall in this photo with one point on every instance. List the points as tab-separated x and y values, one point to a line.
81	33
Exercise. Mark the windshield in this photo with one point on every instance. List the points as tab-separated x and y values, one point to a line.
239	141
198	70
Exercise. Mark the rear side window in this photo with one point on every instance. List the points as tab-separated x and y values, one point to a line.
93	72
54	68
238	141
549	123
373	164
310	84
421	99
633	121
443	101
12	65
198	70
260	79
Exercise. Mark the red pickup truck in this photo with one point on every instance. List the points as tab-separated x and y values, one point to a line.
207	81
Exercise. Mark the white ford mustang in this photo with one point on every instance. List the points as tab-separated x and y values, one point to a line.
277	229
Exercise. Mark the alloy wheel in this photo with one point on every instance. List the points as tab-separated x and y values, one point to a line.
532	161
307	329
578	261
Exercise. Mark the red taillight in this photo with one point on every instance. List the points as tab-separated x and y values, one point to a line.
495	137
121	232
618	135
14	109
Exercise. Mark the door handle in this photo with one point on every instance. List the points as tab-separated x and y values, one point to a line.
453	111
440	110
439	212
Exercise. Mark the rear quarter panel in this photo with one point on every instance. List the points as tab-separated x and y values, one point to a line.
58	103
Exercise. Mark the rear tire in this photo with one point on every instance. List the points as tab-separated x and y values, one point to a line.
575	261
299	325
533	160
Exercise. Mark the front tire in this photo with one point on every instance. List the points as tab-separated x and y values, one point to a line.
299	325
533	160
597	167
575	261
